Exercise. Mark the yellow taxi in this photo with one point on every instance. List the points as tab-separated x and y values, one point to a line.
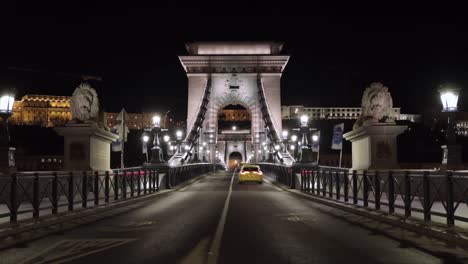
250	173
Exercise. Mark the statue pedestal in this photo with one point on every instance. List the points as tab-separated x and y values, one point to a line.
374	146
87	146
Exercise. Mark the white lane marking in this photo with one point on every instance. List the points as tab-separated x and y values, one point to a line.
213	254
273	185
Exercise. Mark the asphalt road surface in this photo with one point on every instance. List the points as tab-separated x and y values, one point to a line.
206	222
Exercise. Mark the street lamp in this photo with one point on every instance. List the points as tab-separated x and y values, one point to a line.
166	138
452	153
306	151
156	151
145	139
7	159
285	140
178	139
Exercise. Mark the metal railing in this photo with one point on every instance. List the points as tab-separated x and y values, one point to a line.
27	195
434	196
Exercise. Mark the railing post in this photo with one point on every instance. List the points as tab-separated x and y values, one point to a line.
106	187
96	188
36	196
13	198
407	194
355	187
157	179
312	181
309	180
450	209
346	186
145	181
391	193
139	182
330	184
365	188
132	183
124	184
302	179
426	197
71	192
84	187
292	178
55	193
337	184
116	185
377	190
319	177
324	184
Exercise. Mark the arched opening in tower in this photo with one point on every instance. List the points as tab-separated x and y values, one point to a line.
234	132
235	159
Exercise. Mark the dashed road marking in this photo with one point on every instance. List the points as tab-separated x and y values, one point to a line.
70	249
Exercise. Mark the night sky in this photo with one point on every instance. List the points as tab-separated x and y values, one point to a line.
334	53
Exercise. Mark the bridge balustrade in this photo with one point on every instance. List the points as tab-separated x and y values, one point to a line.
437	197
34	195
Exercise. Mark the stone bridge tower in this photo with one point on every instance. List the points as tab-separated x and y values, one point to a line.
245	74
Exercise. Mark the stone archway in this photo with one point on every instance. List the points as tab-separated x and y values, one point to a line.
234	159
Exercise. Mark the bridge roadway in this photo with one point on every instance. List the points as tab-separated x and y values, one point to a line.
262	224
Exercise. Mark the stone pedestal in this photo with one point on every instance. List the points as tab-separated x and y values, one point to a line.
374	146
7	160
87	146
452	157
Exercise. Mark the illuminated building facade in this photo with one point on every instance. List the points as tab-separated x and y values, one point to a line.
53	111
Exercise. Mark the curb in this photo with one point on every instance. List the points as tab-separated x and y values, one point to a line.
415	225
30	230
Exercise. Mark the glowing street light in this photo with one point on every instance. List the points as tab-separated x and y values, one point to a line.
145	138
452	153
156	121
304	120
166	138
179	134
449	98
293	138
6	111
234	128
285	134
315	138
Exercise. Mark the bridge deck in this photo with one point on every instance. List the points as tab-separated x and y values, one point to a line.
263	224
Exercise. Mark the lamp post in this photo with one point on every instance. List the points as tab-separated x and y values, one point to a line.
156	151
294	147
316	142
452	152
202	149
7	159
178	140
306	150
145	140
285	140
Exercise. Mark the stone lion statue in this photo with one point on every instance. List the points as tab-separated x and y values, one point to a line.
376	105
84	104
